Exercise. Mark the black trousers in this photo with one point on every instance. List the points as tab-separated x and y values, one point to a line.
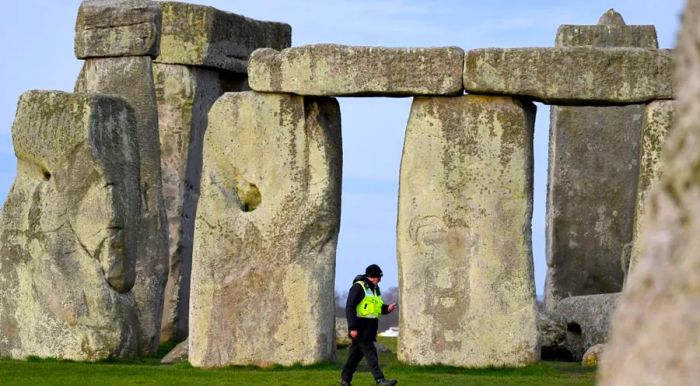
359	349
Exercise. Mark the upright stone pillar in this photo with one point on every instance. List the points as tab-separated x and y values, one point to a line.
593	173
197	64
68	230
658	120
654	331
122	67
263	265
464	238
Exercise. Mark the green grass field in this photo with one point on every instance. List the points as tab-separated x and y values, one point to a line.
149	372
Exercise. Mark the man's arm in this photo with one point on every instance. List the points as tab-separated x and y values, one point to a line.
354	298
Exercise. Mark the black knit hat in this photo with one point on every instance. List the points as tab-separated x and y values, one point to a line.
373	271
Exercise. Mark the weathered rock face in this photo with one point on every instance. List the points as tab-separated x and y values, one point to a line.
117	28
266	231
658	120
184	94
587	320
178	354
204	36
611	31
330	69
552	336
593	162
342	336
68	230
593	172
572	75
132	78
463	237
654	334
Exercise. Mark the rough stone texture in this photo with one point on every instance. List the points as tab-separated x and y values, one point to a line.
654	335
587	320
330	69
611	31
552	336
593	355
117	28
342	336
177	354
593	172
204	36
68	230
658	120
132	78
184	95
266	231
463	234
572	75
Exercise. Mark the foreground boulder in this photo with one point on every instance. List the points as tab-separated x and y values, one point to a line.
654	334
336	70
587	320
463	233
68	230
266	231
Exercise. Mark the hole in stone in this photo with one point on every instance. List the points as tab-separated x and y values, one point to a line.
47	174
574	328
249	196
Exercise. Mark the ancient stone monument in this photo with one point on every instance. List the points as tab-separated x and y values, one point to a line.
266	231
654	333
594	160
252	184
68	230
203	53
463	233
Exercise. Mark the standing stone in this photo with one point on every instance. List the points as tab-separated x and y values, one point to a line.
204	54
68	230
593	174
464	238
658	120
132	78
184	94
117	28
263	265
654	333
204	36
593	171
333	70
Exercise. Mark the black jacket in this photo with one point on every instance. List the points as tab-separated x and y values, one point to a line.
366	327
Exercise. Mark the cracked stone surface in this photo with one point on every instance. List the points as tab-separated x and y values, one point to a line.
132	79
266	231
68	230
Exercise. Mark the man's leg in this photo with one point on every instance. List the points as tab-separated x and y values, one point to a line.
370	353
354	358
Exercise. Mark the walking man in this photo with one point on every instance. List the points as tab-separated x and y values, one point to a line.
363	308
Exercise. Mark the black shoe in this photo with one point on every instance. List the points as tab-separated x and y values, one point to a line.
387	382
344	383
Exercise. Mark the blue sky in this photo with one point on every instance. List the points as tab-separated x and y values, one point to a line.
36	41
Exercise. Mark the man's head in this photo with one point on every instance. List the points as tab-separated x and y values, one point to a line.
374	273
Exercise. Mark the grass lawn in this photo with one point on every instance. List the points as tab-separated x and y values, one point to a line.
149	372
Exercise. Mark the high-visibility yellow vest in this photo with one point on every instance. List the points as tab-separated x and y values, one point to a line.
371	305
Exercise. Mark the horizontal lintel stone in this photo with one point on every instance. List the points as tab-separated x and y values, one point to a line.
572	75
337	70
642	36
205	36
108	28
